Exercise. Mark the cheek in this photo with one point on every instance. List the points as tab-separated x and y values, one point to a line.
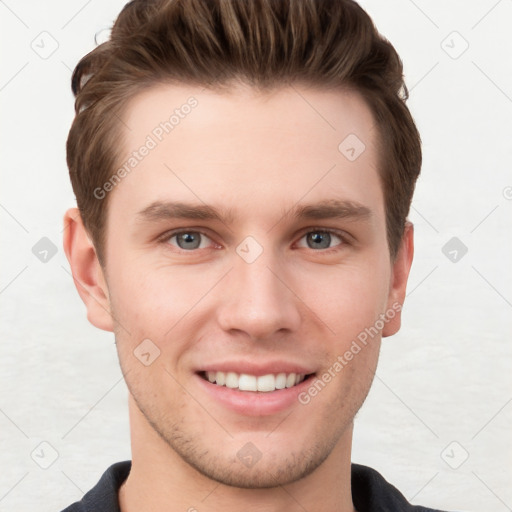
164	305
348	299
155	299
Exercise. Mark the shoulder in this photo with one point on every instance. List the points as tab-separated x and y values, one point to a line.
371	492
103	496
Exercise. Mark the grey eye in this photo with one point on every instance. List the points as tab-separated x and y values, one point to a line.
188	240
319	239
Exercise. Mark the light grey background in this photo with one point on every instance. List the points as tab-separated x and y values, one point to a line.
443	388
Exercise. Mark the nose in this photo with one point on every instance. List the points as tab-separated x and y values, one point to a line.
258	300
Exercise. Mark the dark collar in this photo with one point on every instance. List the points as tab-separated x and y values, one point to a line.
370	492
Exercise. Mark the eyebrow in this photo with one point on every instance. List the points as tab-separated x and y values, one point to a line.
326	209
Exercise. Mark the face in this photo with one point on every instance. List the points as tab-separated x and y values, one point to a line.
246	249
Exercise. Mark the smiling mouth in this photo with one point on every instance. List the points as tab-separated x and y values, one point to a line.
263	383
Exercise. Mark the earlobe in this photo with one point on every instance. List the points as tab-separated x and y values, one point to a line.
399	276
87	272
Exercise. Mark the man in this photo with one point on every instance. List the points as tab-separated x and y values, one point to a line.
243	172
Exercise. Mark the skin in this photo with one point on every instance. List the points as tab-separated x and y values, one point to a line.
258	155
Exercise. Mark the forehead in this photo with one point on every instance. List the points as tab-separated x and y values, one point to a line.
245	149
301	111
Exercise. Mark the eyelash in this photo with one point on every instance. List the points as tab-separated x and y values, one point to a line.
344	237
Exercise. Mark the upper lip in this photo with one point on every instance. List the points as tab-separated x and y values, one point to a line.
255	368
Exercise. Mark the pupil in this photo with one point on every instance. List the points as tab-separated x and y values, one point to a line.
188	238
319	237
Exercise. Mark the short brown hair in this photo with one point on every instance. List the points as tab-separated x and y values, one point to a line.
264	43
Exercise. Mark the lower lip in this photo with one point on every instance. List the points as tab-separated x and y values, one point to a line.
254	403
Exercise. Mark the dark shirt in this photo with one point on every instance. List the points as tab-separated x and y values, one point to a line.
370	492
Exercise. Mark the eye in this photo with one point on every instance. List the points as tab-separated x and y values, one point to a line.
322	238
318	238
187	240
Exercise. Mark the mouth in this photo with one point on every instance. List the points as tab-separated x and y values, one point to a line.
268	383
255	390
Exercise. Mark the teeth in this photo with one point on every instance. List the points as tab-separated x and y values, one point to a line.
231	380
247	382
220	378
280	380
264	383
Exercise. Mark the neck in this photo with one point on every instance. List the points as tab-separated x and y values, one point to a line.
160	480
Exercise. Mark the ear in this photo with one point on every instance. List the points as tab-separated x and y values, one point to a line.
87	272
399	275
